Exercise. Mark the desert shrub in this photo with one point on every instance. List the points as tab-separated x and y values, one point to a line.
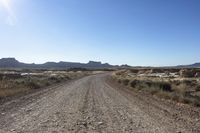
133	83
119	73
164	86
149	83
188	73
11	76
119	81
176	82
141	85
152	85
190	100
1	76
187	82
66	77
125	81
186	98
134	70
175	96
197	88
47	84
54	79
195	102
33	85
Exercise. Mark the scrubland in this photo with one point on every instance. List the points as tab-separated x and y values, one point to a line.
16	82
180	85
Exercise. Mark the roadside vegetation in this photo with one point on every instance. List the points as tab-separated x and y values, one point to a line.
13	82
181	85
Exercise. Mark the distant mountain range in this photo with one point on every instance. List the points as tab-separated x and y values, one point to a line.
195	65
13	63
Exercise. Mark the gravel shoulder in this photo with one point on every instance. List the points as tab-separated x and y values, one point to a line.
95	104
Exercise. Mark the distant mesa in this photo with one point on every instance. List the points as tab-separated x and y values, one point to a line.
13	63
9	62
125	66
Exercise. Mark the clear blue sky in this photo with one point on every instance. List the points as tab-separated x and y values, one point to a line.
135	32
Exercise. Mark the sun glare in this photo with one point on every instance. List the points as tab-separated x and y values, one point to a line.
6	5
11	18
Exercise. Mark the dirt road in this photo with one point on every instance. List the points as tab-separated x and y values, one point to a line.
94	105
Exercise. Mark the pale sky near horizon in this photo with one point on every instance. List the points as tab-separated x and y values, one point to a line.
134	32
